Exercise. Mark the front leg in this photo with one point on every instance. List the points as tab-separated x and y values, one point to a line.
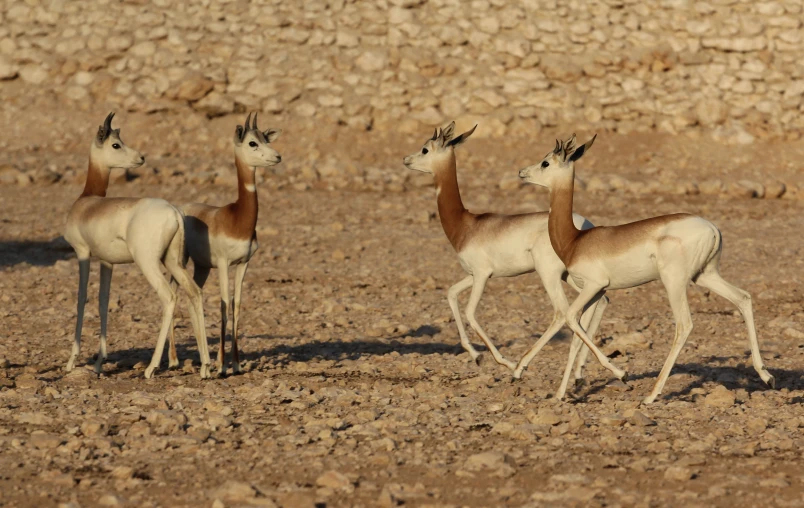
103	310
223	274
240	274
452	298
478	285
83	280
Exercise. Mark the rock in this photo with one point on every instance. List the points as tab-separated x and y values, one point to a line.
122	473
720	397
775	190
371	61
192	88
233	490
335	480
110	500
498	463
44	440
639	419
215	104
711	187
710	111
793	333
678	473
544	417
613	420
8	69
628	343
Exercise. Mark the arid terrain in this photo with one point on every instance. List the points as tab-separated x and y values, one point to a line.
356	391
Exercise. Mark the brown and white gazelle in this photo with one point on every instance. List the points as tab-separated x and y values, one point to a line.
675	249
492	245
146	231
219	237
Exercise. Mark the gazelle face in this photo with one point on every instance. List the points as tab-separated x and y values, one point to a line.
109	151
252	145
558	165
436	150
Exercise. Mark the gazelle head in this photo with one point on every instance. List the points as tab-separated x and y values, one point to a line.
108	150
557	165
436	150
252	146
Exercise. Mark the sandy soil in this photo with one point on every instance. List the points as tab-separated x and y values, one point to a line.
356	391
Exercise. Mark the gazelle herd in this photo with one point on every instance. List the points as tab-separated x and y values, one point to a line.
558	245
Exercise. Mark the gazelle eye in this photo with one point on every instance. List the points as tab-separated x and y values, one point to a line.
424	151
252	144
545	164
116	146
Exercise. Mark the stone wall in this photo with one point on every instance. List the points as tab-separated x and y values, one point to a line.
730	68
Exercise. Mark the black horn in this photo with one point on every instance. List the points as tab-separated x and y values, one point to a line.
107	124
248	121
254	123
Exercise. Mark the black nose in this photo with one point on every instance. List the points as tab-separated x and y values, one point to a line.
142	158
278	158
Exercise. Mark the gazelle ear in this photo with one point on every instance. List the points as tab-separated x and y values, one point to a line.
239	132
272	134
460	139
581	150
101	136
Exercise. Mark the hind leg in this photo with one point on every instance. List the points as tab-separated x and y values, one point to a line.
196	308
590	320
103	309
200	278
711	279
151	269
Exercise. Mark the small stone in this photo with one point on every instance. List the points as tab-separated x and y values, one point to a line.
678	473
122	473
110	500
338	255
720	397
43	440
544	417
234	490
639	419
371	61
501	464
335	480
794	334
613	420
192	88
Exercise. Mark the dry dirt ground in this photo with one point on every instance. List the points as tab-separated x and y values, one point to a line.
356	391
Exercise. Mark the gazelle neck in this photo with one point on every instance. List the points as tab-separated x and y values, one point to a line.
450	206
560	226
246	206
97	180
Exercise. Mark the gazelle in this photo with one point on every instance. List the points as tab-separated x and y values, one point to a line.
219	237
492	245
146	231
675	249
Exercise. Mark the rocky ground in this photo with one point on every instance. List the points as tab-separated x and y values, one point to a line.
356	391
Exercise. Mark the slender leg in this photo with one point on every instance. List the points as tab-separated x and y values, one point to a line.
711	279
594	324
173	358
240	274
83	280
103	308
590	320
452	298
196	308
223	274
676	286
590	293
200	278
153	273
478	285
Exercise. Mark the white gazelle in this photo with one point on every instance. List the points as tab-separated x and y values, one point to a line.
493	245
675	249
219	237
145	231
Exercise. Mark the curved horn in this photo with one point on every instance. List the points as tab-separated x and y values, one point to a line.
558	147
107	124
435	134
254	122
248	121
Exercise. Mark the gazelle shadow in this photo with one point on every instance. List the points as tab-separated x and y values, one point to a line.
38	253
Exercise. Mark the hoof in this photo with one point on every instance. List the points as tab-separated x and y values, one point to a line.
648	400
771	381
478	360
173	364
221	373
580	382
236	369
624	377
149	372
204	371
517	374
